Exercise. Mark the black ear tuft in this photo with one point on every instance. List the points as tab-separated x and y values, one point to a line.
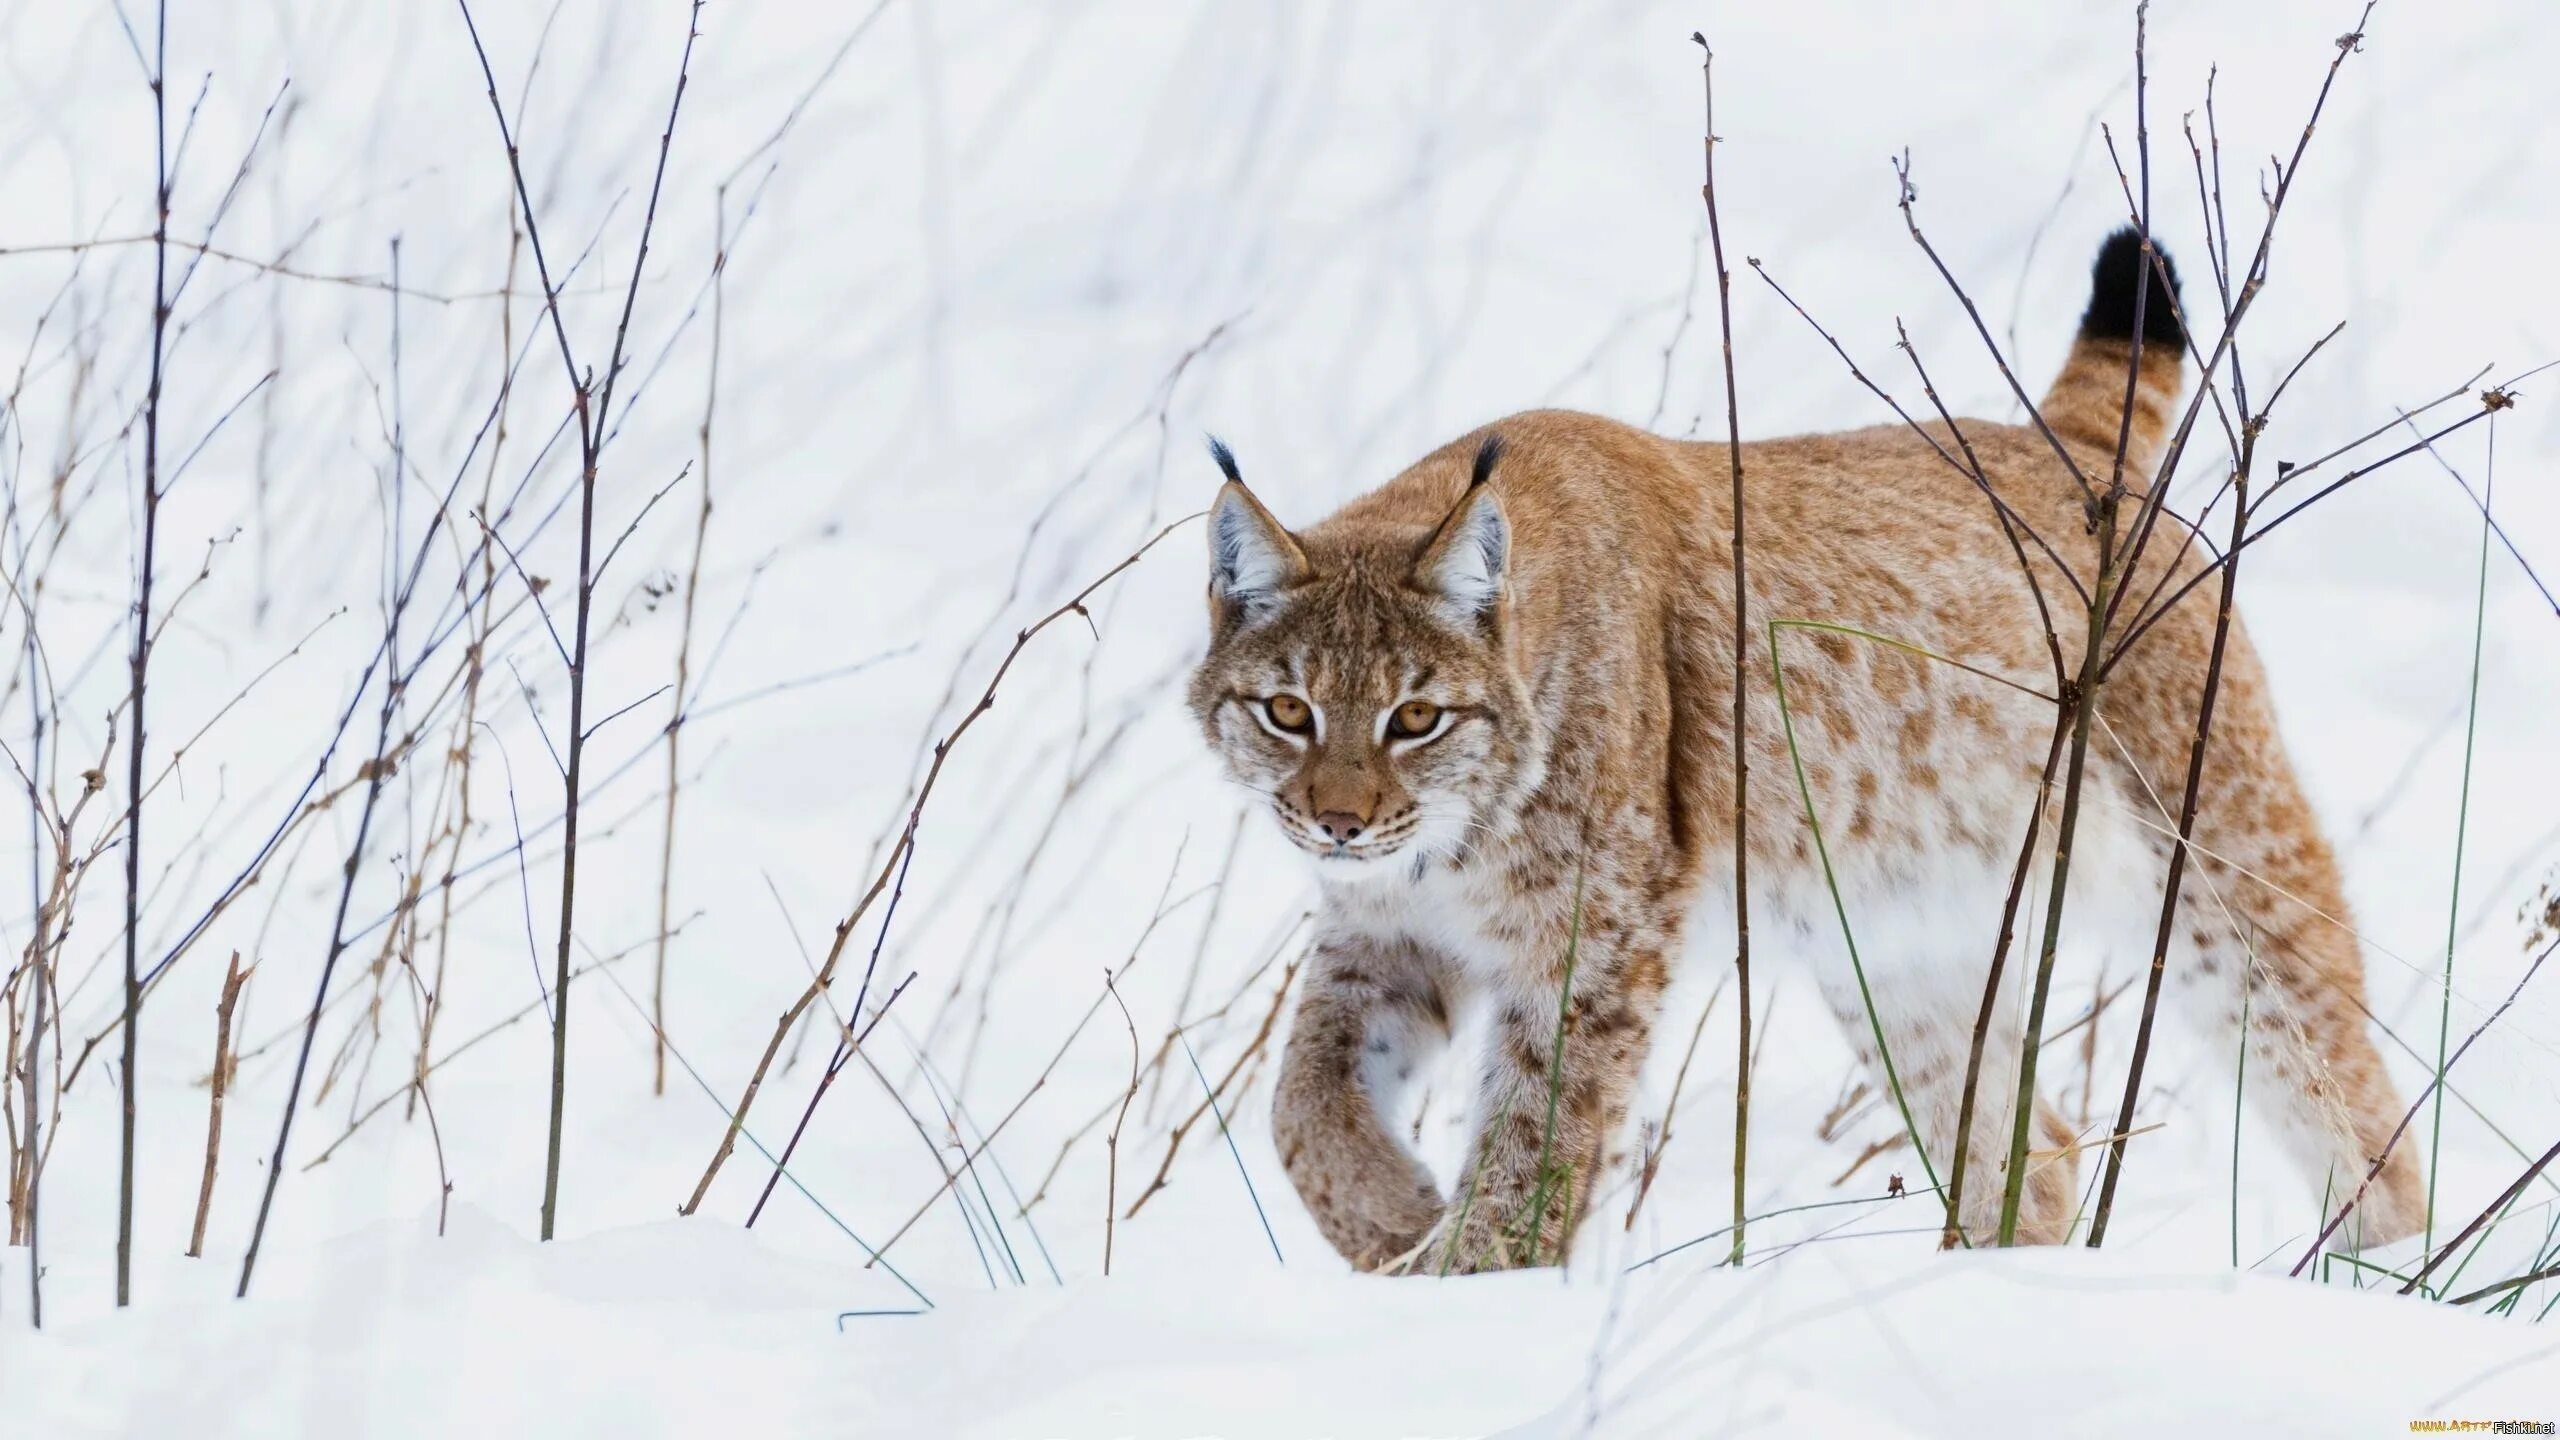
2120	276
1488	455
1225	457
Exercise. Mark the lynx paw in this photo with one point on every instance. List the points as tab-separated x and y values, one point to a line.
1388	1226
1472	1241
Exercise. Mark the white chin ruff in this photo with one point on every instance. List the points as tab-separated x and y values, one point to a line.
1356	870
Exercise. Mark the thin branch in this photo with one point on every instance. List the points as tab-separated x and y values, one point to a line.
1740	740
142	659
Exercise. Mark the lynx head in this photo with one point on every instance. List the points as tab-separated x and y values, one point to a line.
1361	678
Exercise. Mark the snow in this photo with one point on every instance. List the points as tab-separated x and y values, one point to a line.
687	1329
1011	261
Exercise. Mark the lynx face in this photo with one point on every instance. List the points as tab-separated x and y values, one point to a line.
1366	692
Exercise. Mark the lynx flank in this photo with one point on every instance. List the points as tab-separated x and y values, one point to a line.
1493	700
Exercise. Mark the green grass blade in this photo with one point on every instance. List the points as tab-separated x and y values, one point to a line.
2461	826
1804	789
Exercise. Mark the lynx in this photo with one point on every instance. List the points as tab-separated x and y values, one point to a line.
1493	701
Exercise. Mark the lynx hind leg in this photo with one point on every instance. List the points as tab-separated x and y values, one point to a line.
1927	1014
1371	1018
2263	898
2313	1073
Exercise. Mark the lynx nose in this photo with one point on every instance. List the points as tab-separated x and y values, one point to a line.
1340	826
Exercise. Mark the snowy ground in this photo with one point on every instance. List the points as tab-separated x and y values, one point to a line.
983	294
686	1329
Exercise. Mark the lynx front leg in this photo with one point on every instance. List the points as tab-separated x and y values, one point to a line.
1372	1015
1560	1070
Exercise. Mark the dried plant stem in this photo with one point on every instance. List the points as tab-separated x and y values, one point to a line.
2079	704
29	1173
475	663
400	589
223	1065
847	1042
2120	549
1178	1031
1111	1141
1157	1066
2187	804
2243	296
594	412
373	772
569	858
410	1086
2079	700
1991	991
142	654
2505	1198
52	920
1741	737
1209	1093
2532	1277
682	694
1040	1082
2435	1083
2236	300
1670	1111
825	977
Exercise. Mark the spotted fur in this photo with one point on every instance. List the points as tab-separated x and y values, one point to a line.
1558	588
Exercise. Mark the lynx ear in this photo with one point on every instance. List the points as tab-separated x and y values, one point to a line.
1252	557
1466	561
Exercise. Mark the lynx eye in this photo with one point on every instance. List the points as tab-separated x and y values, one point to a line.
1412	720
1289	713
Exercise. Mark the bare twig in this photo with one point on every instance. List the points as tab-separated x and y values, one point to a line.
1111	1141
2505	1198
684	645
1040	1082
2530	1277
223	1064
1199	955
1209	1093
1661	1140
593	409
2250	429
142	654
1991	988
847	1042
906	839
1741	737
2080	699
2435	1083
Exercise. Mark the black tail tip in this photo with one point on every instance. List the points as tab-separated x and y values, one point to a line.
2120	277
